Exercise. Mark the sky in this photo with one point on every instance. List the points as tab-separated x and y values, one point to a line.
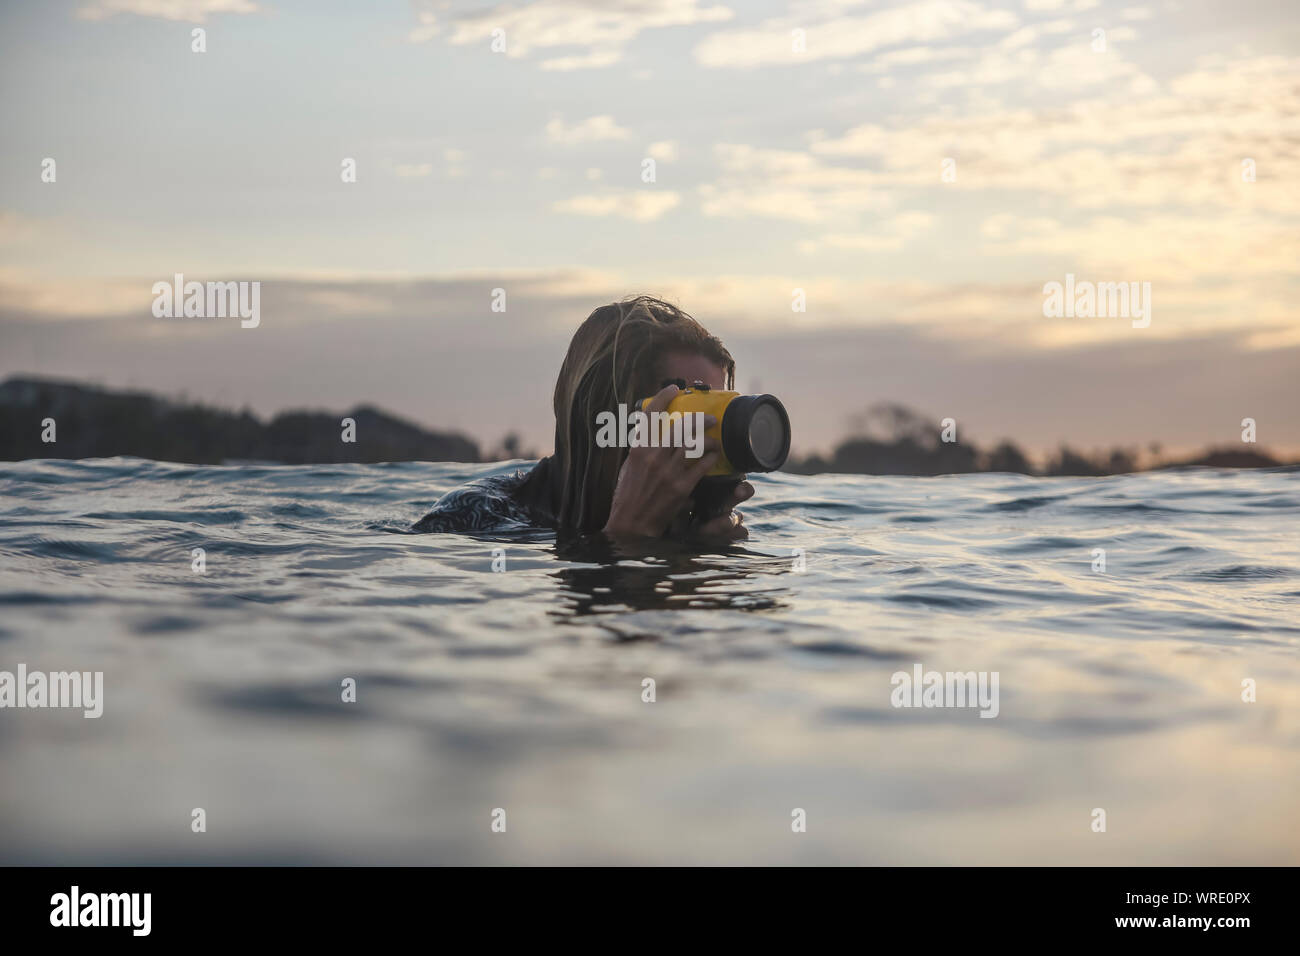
914	173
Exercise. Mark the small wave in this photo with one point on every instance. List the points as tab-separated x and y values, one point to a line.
192	516
1026	504
1240	572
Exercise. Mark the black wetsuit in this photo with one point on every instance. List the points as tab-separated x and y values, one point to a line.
486	504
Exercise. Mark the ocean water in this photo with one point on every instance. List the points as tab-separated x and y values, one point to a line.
522	690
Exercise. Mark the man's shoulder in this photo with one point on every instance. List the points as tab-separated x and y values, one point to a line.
485	504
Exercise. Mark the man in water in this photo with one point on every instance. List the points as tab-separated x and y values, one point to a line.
622	352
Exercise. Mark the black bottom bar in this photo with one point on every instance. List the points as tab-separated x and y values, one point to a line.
302	905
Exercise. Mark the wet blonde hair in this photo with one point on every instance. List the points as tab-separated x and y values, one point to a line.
615	357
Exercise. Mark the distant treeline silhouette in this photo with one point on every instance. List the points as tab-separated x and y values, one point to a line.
893	440
95	422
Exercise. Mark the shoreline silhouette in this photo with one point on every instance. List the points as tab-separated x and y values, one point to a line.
93	421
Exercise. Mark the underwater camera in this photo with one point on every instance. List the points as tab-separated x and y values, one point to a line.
753	430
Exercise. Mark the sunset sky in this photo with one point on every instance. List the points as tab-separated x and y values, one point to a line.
795	146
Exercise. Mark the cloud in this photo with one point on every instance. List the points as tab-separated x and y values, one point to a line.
636	204
29	295
914	56
1073	66
594	129
1127	148
1040	6
600	32
771	43
453	165
190	11
787	184
889	235
664	152
297	300
1030	34
1179	248
588	61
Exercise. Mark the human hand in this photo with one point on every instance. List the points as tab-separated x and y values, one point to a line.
655	484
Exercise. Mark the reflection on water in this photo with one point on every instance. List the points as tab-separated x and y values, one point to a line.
771	660
601	577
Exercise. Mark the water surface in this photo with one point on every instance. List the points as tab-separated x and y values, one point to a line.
522	689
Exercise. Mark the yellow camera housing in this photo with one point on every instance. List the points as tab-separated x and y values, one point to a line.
753	430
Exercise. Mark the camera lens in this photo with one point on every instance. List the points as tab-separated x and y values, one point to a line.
755	433
767	436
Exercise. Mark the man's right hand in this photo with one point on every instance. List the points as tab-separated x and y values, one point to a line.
655	484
